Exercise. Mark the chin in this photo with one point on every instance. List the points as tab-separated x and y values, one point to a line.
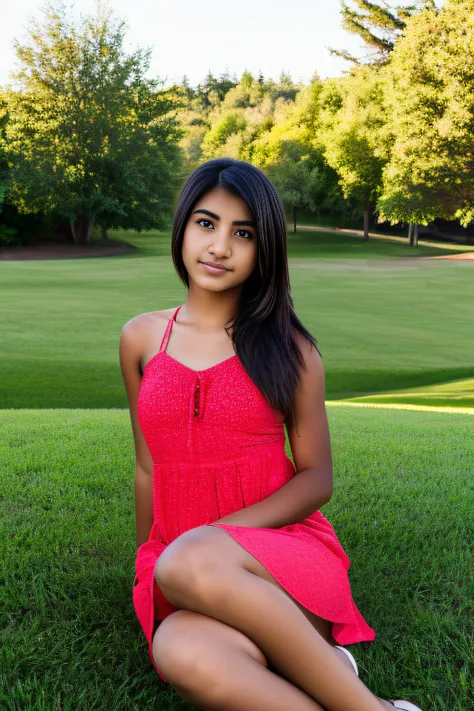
216	288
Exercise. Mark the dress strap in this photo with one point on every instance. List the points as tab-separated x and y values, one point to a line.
166	335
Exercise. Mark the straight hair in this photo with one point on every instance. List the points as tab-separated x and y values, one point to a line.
264	329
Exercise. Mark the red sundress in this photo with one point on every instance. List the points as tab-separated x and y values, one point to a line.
217	447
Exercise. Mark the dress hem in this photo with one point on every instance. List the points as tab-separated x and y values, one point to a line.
342	623
340	631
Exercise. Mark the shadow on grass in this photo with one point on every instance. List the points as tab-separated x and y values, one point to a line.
75	383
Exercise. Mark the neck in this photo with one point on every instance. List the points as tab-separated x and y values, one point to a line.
210	311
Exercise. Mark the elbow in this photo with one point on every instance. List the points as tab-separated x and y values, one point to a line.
329	488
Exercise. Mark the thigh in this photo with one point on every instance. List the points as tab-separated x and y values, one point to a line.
185	639
324	627
213	541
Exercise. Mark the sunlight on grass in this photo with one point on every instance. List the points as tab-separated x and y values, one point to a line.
382	326
458	392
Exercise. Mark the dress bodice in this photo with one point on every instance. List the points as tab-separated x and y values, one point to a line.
206	415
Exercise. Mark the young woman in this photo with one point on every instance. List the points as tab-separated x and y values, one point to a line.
241	583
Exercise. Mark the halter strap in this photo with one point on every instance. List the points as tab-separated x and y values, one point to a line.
166	335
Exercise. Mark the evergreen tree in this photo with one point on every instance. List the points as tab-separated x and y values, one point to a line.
378	27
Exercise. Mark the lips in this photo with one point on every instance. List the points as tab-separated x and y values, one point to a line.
215	266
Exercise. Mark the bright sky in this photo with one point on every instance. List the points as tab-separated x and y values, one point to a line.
192	37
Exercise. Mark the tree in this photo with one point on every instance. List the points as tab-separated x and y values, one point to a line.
88	137
247	112
430	98
298	175
289	153
352	130
4	173
230	124
389	22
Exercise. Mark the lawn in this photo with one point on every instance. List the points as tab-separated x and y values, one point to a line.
394	331
402	509
383	325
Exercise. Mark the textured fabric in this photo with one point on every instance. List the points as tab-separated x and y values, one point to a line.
217	447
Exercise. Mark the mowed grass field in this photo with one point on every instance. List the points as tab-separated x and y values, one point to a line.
386	323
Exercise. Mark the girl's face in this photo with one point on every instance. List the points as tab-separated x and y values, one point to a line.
220	231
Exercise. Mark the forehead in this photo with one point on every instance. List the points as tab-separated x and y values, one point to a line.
220	201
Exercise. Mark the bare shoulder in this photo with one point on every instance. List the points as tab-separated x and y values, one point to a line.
313	363
142	335
149	319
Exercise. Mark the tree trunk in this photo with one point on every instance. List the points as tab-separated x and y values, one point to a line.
81	229
413	234
366	219
104	233
318	214
294	218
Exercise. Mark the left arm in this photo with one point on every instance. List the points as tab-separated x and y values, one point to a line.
312	485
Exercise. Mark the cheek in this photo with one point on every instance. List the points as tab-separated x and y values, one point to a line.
187	249
252	259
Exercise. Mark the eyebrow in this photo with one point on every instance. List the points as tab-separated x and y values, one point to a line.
250	223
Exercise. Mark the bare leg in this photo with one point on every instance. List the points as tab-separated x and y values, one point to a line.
213	575
215	667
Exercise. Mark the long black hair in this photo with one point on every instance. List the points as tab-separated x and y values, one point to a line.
263	331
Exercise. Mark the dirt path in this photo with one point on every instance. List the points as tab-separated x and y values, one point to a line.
462	255
379	236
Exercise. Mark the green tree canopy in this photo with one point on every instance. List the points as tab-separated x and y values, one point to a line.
288	151
352	131
88	137
248	111
299	176
430	100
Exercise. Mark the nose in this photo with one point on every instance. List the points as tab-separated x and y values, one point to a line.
221	244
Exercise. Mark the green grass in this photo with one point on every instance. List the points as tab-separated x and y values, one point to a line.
459	393
314	242
308	243
382	326
391	327
402	509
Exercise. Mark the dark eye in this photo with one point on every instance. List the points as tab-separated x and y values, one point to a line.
249	234
203	220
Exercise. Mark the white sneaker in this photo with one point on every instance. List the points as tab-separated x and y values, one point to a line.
405	705
352	660
397	703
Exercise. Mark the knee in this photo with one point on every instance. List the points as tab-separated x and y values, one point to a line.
184	659
188	567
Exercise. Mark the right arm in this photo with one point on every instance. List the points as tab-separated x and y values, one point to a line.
130	352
